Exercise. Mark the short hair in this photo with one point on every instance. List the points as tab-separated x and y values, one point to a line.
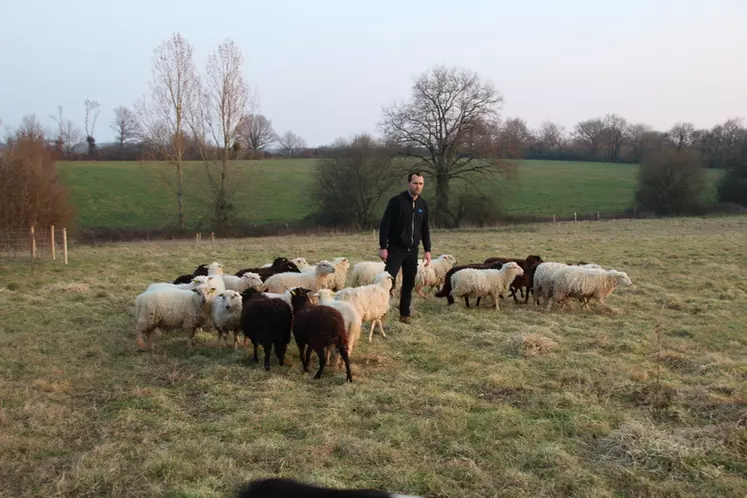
413	173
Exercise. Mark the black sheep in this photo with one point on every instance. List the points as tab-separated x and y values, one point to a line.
318	327
280	265
187	278
267	322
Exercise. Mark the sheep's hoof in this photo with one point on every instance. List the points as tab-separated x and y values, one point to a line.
267	367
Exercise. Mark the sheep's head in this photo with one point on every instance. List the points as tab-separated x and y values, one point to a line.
532	260
324	294
250	293
514	268
281	260
200	270
252	280
203	294
300	297
230	299
341	263
300	263
623	278
201	282
385	280
324	267
215	268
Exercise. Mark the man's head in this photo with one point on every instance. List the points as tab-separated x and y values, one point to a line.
415	183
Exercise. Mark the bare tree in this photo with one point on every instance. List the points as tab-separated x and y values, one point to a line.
256	132
126	126
352	179
639	138
590	134
681	135
290	143
614	135
450	124
91	105
222	103
514	137
551	135
172	93
68	135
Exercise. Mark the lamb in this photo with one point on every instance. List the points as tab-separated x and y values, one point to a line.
364	273
318	327
446	289
477	283
341	272
280	265
585	283
169	308
322	278
353	321
371	301
266	322
433	275
240	284
193	283
227	315
201	270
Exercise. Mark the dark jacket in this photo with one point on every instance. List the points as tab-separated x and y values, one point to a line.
403	225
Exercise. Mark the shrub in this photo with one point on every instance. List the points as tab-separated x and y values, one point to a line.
671	182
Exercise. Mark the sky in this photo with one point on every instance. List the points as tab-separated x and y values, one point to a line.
325	68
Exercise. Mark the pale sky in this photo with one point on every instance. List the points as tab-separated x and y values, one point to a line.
324	68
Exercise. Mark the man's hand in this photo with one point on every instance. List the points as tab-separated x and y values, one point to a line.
383	254
427	262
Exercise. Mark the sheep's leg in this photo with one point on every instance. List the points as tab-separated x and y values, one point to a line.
381	327
466	301
301	351
268	350
344	354
256	355
420	292
191	338
280	353
235	340
371	331
322	361
497	301
308	358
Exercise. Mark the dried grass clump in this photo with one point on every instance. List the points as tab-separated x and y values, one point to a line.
528	345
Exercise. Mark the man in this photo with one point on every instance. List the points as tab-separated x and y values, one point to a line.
403	226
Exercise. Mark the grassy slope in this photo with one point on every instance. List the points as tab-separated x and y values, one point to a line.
520	402
130	194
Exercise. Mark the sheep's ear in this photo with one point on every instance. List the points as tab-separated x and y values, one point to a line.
210	278
221	294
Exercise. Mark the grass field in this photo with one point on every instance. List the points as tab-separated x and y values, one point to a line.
122	194
479	403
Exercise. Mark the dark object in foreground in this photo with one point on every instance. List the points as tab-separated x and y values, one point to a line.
287	488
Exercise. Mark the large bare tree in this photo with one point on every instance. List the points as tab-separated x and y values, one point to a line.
450	124
90	123
514	137
125	125
681	135
68	135
639	136
590	134
163	115
290	143
223	99
551	136
256	132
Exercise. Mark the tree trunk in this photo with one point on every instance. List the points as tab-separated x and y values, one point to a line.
442	200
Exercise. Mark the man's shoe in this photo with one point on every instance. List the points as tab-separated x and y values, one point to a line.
404	319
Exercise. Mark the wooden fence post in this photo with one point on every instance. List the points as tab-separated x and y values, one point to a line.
51	241
64	243
33	243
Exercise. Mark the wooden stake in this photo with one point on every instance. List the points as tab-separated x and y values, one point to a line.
212	240
51	241
33	243
64	243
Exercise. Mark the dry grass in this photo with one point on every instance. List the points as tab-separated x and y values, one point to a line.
520	402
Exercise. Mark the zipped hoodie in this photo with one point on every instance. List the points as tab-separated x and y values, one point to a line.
405	223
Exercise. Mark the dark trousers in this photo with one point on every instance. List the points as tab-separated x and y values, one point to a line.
397	258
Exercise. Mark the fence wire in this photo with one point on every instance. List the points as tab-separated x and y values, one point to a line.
41	244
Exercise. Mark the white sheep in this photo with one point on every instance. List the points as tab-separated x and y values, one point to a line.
371	301
242	283
543	278
585	283
432	276
226	315
364	273
322	278
353	320
168	308
473	282
342	265
200	279
285	296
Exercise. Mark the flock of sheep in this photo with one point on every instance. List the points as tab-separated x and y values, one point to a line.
313	304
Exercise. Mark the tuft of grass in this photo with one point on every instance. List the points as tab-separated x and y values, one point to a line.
463	402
